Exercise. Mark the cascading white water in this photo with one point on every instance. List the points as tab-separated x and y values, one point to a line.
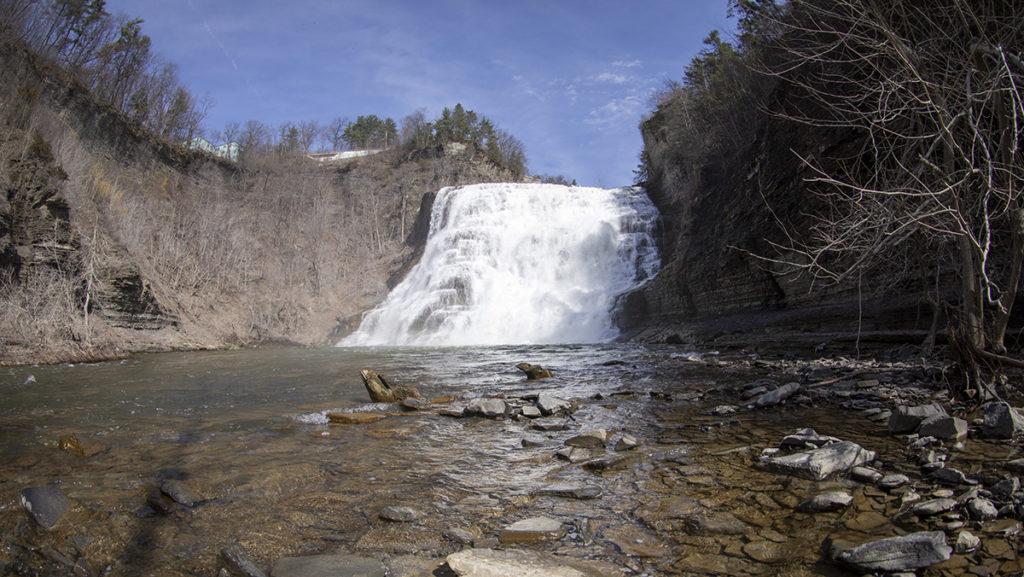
519	264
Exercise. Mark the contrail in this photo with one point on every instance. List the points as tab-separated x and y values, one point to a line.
231	59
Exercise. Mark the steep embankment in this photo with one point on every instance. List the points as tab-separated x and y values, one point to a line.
113	240
721	213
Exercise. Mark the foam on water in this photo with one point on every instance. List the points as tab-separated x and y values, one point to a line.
520	264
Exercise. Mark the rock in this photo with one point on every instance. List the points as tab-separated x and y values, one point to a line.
903	553
533	530
722	410
487	408
627	443
893	481
328	566
238	563
573	454
765	551
804	437
459	535
399	514
907	419
531	412
1016	465
518	563
456	412
715	523
943	427
635	541
591	439
1006	488
71	444
549	425
933	507
354	418
414	404
822	463
533	441
1001	421
550	404
46	504
982	509
180	492
383	392
570	490
777	396
966	542
605	463
865	475
825	502
534	372
949	476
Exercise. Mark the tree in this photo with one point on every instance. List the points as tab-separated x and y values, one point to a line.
333	134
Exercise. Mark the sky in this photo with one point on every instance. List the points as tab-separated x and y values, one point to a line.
571	79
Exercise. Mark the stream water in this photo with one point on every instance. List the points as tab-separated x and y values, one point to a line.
245	430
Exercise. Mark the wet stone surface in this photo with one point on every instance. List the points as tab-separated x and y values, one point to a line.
239	451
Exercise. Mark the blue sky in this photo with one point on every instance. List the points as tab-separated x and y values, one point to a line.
571	79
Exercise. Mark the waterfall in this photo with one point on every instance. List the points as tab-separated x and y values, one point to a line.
519	264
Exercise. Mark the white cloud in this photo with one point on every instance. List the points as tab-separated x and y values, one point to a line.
611	78
627	64
616	110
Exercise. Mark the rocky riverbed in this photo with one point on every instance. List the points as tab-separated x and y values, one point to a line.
629	460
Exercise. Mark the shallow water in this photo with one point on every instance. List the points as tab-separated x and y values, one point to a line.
245	430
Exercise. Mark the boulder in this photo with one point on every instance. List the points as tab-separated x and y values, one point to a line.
383	392
328	566
516	562
943	427
486	408
534	372
777	396
1002	421
550	404
533	530
819	464
592	439
46	504
825	502
573	454
903	553
907	419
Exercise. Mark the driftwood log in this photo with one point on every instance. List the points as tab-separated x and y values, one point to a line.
383	392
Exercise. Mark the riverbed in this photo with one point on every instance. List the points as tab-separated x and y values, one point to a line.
246	432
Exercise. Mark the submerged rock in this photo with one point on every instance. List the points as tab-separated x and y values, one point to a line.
237	562
627	443
550	404
180	492
907	419
518	563
592	439
46	504
1002	421
903	553
822	463
486	408
825	502
534	372
570	491
328	566
383	392
399	514
777	396
533	530
354	418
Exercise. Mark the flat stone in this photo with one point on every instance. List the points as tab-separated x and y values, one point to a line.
181	492
822	463
490	408
805	437
627	443
777	396
825	502
414	404
454	411
518	563
1001	421
570	491
533	530
634	541
328	566
573	454
949	476
238	562
1016	465
531	412
765	551
46	504
908	419
722	410
865	475
906	552
943	427
549	425
550	404
354	418
592	439
460	535
533	441
982	509
399	514
893	481
933	507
